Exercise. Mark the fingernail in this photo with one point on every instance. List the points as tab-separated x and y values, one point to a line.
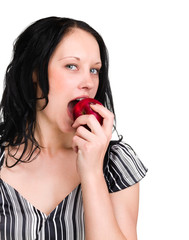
93	104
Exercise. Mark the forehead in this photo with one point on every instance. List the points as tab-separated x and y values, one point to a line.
78	42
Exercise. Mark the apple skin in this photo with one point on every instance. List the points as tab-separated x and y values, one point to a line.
83	107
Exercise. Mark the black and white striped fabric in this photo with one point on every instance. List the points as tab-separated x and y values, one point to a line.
19	220
123	168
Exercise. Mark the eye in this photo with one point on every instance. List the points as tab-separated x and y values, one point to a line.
94	71
71	66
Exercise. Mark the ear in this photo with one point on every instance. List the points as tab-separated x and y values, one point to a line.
36	85
34	77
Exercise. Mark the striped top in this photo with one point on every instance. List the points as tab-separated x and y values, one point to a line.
19	220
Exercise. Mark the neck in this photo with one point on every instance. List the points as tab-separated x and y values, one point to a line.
51	140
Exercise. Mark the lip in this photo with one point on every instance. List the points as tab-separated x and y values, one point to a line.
83	96
70	109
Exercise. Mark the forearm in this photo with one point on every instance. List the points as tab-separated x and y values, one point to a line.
100	221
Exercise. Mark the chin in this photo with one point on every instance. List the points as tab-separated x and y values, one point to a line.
67	128
70	130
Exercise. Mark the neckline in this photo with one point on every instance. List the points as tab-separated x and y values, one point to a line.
2	157
31	205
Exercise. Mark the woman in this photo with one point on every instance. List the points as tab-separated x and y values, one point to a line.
60	180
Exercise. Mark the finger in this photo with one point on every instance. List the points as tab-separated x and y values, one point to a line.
78	143
108	117
84	133
89	120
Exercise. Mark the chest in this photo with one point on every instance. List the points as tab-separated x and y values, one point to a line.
44	186
23	221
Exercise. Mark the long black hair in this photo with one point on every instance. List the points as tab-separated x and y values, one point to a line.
31	53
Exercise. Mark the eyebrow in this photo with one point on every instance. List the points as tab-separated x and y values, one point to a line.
77	58
69	57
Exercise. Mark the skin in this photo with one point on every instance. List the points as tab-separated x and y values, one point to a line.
71	154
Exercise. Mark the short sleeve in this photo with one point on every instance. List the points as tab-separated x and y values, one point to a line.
122	167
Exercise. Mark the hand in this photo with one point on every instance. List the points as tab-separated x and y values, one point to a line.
91	145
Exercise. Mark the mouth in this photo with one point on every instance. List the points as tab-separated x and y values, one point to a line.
72	104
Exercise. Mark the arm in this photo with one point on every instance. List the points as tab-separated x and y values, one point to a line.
104	218
109	216
125	204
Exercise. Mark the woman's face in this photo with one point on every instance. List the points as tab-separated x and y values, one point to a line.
73	73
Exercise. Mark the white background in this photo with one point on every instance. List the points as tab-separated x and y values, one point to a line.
148	44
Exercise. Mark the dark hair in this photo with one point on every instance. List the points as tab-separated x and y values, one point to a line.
31	53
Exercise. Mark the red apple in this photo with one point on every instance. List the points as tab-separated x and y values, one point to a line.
83	107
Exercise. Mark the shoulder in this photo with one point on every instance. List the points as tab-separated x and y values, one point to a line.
122	166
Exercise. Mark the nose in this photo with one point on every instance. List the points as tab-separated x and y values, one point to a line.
87	81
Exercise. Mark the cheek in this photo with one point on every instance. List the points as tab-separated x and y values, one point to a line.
57	81
96	87
54	79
